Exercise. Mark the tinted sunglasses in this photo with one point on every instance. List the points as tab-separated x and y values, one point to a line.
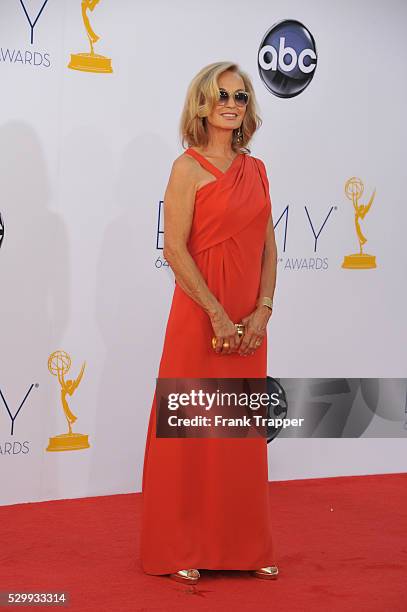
241	97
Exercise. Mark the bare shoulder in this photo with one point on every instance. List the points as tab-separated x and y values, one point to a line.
183	180
185	169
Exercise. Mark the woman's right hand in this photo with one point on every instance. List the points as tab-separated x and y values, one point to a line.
224	330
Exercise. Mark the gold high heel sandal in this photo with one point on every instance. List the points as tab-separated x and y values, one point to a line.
189	576
267	573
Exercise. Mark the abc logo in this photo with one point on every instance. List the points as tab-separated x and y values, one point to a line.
287	58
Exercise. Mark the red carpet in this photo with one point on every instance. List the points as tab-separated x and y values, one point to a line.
341	545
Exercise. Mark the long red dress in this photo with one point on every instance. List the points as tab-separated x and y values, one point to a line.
205	501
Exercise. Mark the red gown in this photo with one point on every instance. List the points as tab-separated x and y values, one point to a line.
205	501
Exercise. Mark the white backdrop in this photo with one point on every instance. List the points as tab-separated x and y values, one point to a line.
84	161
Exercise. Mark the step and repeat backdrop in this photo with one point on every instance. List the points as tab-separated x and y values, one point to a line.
91	97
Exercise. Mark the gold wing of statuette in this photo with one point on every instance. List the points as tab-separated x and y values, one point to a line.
79	378
364	209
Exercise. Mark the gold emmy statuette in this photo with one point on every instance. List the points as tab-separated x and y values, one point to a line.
90	62
59	363
358	261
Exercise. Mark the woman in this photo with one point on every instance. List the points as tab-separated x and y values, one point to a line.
205	500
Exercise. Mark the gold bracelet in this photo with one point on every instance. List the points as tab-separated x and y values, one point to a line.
265	301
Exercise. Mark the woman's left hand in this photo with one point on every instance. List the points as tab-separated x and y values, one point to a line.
255	330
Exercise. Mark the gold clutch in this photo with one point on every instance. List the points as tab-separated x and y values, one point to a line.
240	328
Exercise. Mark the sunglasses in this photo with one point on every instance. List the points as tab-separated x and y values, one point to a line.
241	97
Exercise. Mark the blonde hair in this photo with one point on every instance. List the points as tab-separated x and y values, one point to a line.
203	95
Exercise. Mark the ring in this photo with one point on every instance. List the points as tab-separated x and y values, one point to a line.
239	329
226	344
258	342
214	342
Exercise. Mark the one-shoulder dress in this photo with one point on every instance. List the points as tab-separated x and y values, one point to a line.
205	501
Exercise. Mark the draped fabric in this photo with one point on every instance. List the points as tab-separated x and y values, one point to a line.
205	500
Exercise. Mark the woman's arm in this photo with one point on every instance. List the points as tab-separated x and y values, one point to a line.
256	322
269	264
179	201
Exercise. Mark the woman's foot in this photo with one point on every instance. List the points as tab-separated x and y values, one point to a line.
268	573
189	576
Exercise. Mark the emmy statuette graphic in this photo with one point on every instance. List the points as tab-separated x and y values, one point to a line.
90	62
354	191
59	364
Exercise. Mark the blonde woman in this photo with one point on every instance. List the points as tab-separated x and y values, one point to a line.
206	500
